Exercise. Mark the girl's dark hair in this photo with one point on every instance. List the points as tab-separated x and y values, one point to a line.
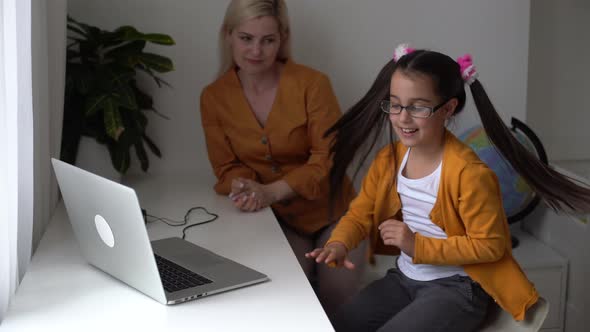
360	128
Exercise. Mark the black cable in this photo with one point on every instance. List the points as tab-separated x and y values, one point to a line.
177	223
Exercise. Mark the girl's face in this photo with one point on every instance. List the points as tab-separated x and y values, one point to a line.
255	44
418	90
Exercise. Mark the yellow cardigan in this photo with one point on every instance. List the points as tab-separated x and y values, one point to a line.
469	210
290	146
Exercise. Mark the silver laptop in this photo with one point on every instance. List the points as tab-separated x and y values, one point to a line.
109	226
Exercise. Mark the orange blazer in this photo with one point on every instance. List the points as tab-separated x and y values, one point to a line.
290	146
469	210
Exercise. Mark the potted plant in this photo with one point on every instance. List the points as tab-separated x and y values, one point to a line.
102	98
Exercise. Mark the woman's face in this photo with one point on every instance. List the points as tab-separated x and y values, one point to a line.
255	44
418	90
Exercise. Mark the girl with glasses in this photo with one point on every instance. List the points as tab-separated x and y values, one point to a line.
430	199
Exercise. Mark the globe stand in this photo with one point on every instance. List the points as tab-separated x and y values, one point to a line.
518	125
472	138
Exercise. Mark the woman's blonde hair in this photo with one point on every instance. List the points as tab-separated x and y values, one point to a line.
240	11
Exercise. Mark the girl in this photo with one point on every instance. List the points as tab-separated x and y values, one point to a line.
429	196
264	120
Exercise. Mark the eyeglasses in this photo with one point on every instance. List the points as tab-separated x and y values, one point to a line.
414	111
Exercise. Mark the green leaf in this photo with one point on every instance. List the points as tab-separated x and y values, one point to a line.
123	51
112	119
158	113
142	155
109	39
87	28
149	72
70	45
103	77
159	38
71	55
76	30
126	98
81	76
84	84
125	162
95	103
119	76
156	62
158	80
89	51
141	121
72	20
129	33
144	101
120	83
120	157
155	150
161	82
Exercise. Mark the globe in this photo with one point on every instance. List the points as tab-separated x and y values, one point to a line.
517	196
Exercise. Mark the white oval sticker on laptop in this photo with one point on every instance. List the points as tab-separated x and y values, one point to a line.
104	231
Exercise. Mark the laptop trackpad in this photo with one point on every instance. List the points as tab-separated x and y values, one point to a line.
186	254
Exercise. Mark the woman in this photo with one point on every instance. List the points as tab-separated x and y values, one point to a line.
264	119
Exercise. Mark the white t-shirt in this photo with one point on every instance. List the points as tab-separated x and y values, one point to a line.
418	197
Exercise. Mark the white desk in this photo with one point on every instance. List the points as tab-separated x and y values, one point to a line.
61	292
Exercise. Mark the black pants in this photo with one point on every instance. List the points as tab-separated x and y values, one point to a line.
398	303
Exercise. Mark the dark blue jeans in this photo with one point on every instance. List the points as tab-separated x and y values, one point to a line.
398	303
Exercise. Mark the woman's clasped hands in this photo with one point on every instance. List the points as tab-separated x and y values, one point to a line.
249	195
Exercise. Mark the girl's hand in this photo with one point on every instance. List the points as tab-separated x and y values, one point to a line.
397	233
334	255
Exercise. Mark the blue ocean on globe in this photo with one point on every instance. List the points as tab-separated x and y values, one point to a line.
516	193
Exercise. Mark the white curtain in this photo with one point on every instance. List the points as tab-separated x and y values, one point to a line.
16	146
32	71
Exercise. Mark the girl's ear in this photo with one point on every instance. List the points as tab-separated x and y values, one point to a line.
450	107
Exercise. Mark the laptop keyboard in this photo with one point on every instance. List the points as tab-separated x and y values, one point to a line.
175	277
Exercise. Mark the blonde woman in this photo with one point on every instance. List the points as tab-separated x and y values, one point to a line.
264	120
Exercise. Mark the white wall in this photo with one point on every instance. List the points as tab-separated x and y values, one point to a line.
40	106
48	65
558	109
348	40
351	40
559	75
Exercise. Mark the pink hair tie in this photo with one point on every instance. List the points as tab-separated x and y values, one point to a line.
401	50
467	68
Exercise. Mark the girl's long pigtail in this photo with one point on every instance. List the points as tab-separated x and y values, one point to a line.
558	190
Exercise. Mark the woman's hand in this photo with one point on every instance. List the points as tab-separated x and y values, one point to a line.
397	233
249	195
239	194
334	255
